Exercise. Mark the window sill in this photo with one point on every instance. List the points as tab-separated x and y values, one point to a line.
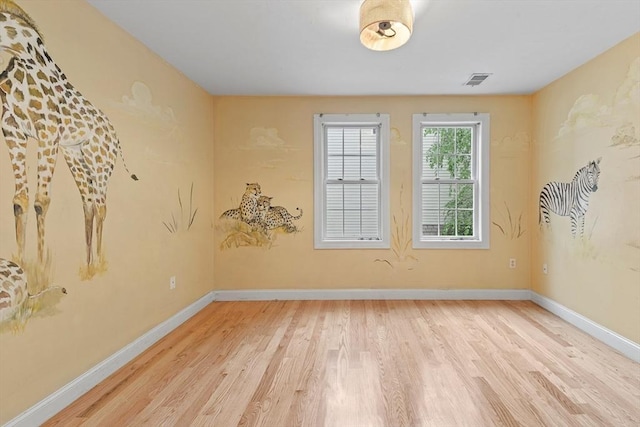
352	244
451	244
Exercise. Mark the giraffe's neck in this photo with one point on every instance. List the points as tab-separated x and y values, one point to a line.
23	42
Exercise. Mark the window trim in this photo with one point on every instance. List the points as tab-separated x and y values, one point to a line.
481	145
320	166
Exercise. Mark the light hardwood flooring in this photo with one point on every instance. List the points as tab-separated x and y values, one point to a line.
368	363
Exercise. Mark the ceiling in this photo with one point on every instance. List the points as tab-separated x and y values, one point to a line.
311	47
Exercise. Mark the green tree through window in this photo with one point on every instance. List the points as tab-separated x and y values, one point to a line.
450	158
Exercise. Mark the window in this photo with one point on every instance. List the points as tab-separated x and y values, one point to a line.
351	181
451	181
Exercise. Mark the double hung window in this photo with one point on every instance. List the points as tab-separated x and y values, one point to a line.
351	181
451	181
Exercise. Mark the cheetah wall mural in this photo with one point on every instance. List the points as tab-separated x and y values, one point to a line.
255	221
43	110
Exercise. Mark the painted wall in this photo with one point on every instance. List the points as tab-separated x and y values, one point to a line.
164	124
593	112
270	141
166	131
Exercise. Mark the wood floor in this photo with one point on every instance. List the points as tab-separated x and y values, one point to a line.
368	363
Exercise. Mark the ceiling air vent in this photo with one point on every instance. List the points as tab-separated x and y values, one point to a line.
476	79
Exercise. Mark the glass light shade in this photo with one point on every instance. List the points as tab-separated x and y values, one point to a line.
385	24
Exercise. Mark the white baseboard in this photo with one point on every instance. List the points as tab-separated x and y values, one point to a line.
607	336
64	396
373	294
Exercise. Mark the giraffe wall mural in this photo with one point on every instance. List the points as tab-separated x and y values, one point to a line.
41	107
164	123
17	303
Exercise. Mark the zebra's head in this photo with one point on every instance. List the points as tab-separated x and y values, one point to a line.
593	174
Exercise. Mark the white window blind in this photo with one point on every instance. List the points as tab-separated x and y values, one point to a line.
352	184
351	179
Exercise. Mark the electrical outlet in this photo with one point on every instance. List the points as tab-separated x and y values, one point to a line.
545	270
172	282
512	263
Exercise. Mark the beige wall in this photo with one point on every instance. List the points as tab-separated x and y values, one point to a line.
168	142
593	112
166	130
270	141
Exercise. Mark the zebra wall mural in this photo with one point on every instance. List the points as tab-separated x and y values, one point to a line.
570	198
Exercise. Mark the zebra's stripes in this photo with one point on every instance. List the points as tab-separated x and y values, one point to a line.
570	198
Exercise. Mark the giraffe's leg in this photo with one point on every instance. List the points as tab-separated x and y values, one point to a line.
17	144
100	203
47	155
77	166
89	215
101	215
100	156
20	203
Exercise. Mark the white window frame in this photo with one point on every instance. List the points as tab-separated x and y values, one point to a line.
480	173
320	122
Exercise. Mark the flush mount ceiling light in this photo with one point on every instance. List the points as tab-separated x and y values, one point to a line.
385	24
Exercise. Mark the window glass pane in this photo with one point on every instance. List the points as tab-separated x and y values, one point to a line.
352	197
431	158
370	223
334	197
351	141
430	209
352	168
438	146
334	225
369	194
447	152
465	223
335	146
465	196
369	145
352	153
463	166
352	210
334	167
447	209
447	205
448	166
430	196
430	223
351	223
334	141
369	168
464	137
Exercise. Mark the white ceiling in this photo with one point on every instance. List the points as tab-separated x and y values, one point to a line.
311	47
